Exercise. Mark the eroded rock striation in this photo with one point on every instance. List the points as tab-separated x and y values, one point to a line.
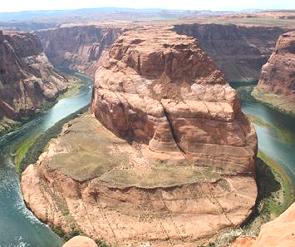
277	81
164	91
27	78
170	161
77	47
238	51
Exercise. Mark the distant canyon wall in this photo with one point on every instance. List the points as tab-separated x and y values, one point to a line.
27	78
277	81
77	47
238	51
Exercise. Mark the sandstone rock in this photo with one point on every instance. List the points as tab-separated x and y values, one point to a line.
27	79
77	47
80	241
277	233
277	81
161	89
174	164
238	51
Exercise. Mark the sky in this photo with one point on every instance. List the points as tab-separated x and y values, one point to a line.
20	5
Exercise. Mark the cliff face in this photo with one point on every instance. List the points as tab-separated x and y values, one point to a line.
27	78
77	47
170	161
238	51
164	91
279	232
277	81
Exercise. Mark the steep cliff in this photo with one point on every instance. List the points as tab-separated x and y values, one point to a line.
170	161
238	51
277	81
77	47
27	78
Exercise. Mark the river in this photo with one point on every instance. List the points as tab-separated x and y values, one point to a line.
19	227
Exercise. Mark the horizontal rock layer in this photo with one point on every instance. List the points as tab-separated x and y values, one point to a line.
92	181
175	152
238	51
77	47
161	89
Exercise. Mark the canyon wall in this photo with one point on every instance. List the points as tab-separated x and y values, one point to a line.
27	79
77	47
276	85
171	160
238	51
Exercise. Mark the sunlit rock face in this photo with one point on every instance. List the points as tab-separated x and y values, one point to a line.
166	158
27	78
160	88
276	85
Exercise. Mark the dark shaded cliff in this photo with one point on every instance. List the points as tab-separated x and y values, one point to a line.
276	85
27	78
77	47
239	51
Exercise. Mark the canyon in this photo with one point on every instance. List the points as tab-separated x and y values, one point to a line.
156	157
276	85
77	47
27	79
238	50
165	157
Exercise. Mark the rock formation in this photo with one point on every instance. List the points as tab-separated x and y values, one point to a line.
170	161
277	81
77	47
238	51
27	79
277	233
80	241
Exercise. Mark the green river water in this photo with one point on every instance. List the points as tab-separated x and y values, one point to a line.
19	227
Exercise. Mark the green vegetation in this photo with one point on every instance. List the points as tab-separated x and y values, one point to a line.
275	193
284	104
22	150
29	151
76	81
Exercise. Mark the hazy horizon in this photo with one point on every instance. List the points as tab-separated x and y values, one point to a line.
214	5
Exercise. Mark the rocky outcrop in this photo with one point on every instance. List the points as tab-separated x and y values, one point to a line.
80	241
77	47
276	233
170	161
27	78
277	81
164	91
238	51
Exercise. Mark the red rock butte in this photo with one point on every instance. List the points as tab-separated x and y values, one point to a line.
170	161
